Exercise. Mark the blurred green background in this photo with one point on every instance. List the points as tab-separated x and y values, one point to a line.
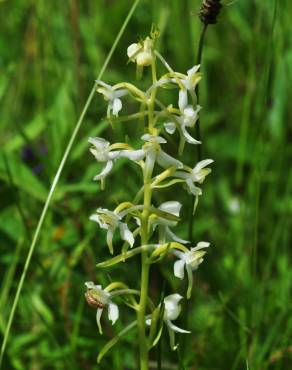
50	55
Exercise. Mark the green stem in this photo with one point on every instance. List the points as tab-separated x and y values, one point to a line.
144	277
147	175
199	61
198	131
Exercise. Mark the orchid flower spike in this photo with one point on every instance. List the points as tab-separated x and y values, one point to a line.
103	151
141	53
164	225
112	96
110	221
172	310
99	298
190	261
197	174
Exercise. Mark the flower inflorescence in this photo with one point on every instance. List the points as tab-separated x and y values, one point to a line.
145	228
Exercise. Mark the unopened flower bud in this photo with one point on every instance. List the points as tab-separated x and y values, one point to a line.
141	53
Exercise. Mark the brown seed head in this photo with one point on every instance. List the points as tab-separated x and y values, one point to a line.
209	11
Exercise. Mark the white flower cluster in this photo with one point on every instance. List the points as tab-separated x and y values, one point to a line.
160	220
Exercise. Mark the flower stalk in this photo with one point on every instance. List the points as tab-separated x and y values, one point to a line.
147	175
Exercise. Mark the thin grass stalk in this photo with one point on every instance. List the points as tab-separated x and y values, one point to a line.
56	180
208	14
198	131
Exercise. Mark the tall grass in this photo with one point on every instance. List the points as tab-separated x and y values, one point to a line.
241	316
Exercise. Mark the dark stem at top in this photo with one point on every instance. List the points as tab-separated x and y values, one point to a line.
209	11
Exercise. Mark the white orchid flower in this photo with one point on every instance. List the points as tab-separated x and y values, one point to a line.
112	96
141	53
190	261
99	298
110	221
164	225
197	174
188	118
103	151
189	83
155	153
172	310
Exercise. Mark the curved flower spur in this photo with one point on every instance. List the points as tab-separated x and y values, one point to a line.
146	228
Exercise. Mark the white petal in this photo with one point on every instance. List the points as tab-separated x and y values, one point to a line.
126	234
193	70
182	99
192	188
98	219
190	115
188	137
134	155
173	299
133	49
113	312
201	245
114	154
173	237
138	221
182	175
144	58
170	127
121	92
179	269
105	171
148	322
90	285
202	164
117	106
107	93
150	161
176	328
159	83
172	307
99	82
153	139
98	142
165	160
172	207
98	315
